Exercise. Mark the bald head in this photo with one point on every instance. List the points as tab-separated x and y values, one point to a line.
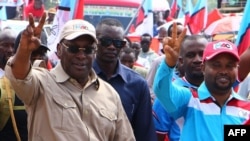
7	40
7	32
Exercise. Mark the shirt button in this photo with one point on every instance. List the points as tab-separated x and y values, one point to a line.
65	104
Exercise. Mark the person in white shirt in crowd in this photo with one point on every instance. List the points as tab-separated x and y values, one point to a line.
139	60
161	34
146	52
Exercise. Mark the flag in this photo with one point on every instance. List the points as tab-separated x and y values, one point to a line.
78	13
144	23
77	5
243	36
181	10
198	18
213	16
176	9
188	11
67	10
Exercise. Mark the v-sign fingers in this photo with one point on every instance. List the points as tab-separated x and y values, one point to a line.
40	25
174	33
182	35
31	20
41	22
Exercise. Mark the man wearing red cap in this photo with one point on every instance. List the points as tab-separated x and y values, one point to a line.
215	103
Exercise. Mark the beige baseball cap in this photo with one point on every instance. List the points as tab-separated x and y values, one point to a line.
52	10
75	28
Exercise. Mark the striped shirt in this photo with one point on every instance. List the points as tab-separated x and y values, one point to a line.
204	118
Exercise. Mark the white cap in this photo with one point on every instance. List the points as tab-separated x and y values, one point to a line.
77	27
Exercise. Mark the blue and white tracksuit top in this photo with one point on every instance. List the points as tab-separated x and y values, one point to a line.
204	119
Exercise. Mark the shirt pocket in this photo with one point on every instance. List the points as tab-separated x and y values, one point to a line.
108	114
108	118
66	115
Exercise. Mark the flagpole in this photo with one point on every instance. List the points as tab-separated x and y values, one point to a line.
131	21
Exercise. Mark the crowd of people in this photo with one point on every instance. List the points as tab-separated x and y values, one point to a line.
105	87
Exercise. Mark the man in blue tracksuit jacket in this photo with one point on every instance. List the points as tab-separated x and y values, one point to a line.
215	104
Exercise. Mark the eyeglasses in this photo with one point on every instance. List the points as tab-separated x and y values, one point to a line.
105	42
74	49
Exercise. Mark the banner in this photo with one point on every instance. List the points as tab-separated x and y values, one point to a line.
188	11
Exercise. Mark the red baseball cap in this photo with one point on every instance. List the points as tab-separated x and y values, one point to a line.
218	47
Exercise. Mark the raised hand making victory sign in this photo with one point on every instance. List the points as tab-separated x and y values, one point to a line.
172	46
30	41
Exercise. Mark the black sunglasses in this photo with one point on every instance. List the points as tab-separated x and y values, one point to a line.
105	42
74	49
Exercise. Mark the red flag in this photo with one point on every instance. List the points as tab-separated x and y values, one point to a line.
188	11
198	18
174	9
244	41
214	15
140	16
243	37
144	23
132	28
79	9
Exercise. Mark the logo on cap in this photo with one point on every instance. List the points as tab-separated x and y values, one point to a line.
223	45
80	26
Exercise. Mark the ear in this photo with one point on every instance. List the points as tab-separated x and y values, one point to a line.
59	51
